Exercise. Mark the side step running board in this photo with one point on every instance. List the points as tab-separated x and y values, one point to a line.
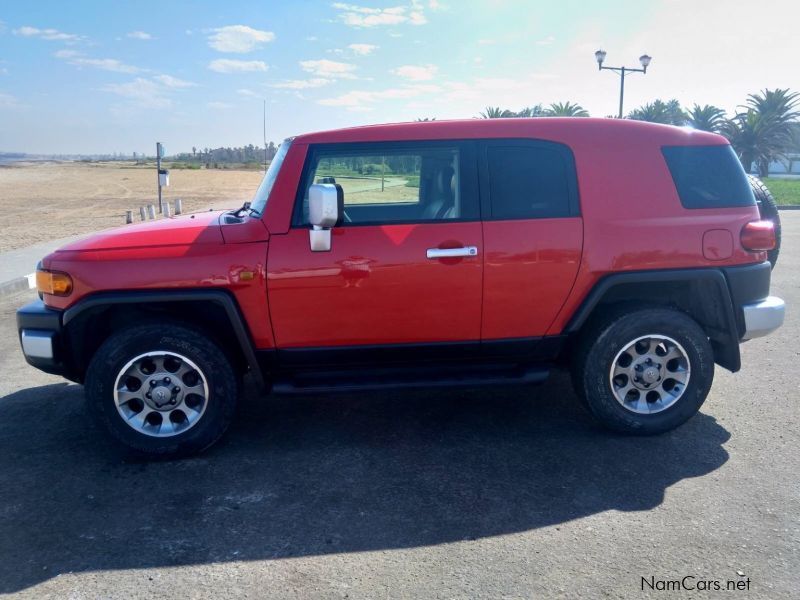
317	383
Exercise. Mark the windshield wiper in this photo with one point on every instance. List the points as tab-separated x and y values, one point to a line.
244	208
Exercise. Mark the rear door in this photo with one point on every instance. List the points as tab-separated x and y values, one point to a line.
405	266
532	235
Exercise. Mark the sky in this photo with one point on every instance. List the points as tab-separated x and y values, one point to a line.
101	77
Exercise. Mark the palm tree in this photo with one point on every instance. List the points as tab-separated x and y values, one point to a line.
778	105
530	111
566	109
658	111
762	132
707	118
425	119
495	112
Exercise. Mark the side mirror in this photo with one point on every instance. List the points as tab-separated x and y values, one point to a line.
325	210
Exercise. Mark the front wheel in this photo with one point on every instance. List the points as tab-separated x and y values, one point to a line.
162	390
644	371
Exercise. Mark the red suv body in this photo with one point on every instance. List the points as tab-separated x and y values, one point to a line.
435	253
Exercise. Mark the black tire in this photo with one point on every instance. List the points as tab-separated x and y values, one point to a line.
123	346
608	335
768	209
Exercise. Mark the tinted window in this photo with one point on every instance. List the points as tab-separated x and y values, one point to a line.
392	183
708	176
529	181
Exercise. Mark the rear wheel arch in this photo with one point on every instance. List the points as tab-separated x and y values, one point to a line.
702	294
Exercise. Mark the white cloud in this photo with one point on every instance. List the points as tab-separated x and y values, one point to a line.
416	72
140	35
359	100
104	64
53	35
365	16
8	101
546	41
328	69
143	93
225	65
248	93
219	105
66	53
362	49
416	17
239	38
155	92
302	84
173	82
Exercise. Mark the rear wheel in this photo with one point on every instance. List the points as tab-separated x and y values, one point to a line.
768	210
644	371
162	390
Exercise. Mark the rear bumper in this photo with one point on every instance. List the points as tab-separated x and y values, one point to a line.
39	329
757	313
764	317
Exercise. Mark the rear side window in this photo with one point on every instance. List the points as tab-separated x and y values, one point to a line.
534	180
708	176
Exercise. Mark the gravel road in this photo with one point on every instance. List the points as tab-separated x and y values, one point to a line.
500	493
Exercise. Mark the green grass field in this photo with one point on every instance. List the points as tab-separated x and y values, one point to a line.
785	191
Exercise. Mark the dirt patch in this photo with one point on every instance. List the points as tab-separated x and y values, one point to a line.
45	201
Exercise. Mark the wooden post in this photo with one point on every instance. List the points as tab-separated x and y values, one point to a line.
178	206
166	209
128	217
151	211
142	213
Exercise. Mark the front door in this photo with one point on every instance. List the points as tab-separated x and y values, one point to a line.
386	279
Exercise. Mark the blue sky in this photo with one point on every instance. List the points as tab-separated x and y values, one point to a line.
92	77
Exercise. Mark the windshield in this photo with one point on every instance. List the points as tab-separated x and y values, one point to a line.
262	194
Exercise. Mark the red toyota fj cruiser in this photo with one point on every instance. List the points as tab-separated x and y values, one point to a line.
437	253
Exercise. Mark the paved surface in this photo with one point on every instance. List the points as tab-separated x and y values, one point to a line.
509	493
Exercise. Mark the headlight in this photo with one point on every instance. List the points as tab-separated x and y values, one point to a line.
53	282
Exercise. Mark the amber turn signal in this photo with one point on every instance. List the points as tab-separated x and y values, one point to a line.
53	282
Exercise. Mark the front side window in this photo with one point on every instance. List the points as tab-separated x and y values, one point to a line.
392	183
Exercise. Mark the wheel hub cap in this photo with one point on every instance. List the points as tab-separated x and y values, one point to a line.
161	393
649	374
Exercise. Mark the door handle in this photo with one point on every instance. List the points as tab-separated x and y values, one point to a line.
452	252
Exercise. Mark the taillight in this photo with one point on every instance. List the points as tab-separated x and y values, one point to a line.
758	236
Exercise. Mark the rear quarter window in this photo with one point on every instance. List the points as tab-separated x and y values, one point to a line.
708	176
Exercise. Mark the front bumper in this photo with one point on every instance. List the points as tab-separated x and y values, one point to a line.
40	334
764	317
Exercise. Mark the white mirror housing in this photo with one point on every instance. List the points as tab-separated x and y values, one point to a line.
323	205
325	208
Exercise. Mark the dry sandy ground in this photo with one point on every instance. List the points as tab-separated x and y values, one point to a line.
44	201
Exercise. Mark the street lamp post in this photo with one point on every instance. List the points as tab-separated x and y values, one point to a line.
644	60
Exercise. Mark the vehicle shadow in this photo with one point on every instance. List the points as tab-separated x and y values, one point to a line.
319	475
